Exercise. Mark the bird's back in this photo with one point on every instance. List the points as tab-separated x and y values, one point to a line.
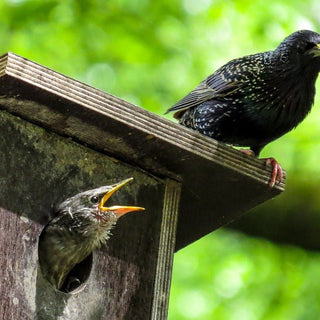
250	101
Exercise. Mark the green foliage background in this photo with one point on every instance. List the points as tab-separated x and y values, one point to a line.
152	53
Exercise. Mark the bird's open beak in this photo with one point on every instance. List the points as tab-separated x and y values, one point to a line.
118	210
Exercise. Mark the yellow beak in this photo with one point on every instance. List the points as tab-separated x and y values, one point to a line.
118	210
315	51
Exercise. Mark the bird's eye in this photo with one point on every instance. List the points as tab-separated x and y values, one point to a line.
94	199
309	46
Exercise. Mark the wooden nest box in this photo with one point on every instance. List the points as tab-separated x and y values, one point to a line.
60	137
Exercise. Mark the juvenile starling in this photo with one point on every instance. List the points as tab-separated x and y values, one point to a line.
82	224
255	99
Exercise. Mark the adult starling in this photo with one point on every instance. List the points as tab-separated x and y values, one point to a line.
255	99
82	224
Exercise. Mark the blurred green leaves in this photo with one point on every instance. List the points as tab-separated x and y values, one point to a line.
152	53
228	276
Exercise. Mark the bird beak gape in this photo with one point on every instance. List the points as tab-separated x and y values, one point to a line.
118	210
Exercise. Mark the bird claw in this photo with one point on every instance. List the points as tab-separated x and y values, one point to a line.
248	152
277	172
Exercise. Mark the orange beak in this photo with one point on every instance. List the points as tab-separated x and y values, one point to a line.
118	210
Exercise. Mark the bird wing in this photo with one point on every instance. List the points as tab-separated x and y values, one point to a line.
213	86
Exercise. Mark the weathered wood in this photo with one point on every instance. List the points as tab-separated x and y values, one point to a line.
211	172
59	137
38	169
166	250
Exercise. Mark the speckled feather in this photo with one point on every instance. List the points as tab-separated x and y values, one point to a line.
255	99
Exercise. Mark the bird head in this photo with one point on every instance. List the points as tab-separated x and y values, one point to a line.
299	47
90	207
81	224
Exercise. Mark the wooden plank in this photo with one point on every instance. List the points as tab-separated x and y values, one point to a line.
166	250
42	170
219	182
17	236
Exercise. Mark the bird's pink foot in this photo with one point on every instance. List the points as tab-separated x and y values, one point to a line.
248	152
277	173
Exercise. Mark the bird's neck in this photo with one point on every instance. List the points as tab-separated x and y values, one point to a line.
294	93
298	87
98	234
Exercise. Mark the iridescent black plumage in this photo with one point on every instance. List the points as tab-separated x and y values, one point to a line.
254	100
